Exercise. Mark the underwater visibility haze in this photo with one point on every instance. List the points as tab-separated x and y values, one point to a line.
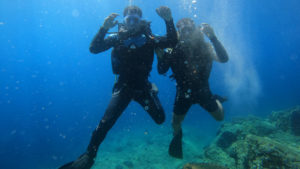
53	91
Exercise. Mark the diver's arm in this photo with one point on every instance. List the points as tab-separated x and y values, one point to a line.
221	54
171	39
99	44
163	61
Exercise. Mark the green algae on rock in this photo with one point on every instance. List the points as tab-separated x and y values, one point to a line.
202	166
252	142
287	120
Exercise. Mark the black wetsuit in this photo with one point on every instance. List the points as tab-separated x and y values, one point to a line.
134	66
191	69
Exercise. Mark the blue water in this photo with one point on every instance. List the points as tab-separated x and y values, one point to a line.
53	92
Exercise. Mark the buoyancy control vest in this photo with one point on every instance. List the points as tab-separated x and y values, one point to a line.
130	41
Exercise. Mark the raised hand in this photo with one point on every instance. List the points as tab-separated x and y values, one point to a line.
110	22
208	30
164	12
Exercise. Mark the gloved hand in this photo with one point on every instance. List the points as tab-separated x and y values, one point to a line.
110	22
208	30
165	13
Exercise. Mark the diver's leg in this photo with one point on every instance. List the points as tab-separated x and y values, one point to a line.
150	102
176	123
209	102
181	107
119	101
117	105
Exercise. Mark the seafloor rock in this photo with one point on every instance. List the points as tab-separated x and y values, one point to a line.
257	143
257	152
250	125
287	120
295	122
217	155
119	167
202	166
129	164
226	139
269	153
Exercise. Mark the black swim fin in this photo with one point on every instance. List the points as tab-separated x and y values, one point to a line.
175	148
83	162
66	166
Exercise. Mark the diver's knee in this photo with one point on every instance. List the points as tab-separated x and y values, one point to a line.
219	113
161	119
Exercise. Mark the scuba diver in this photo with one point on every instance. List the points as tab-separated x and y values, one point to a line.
132	57
191	63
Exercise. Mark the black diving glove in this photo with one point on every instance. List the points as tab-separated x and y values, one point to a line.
85	161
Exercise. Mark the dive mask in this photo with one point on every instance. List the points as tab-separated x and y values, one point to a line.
186	30
132	20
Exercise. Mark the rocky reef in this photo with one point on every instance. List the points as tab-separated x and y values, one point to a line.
255	143
202	166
